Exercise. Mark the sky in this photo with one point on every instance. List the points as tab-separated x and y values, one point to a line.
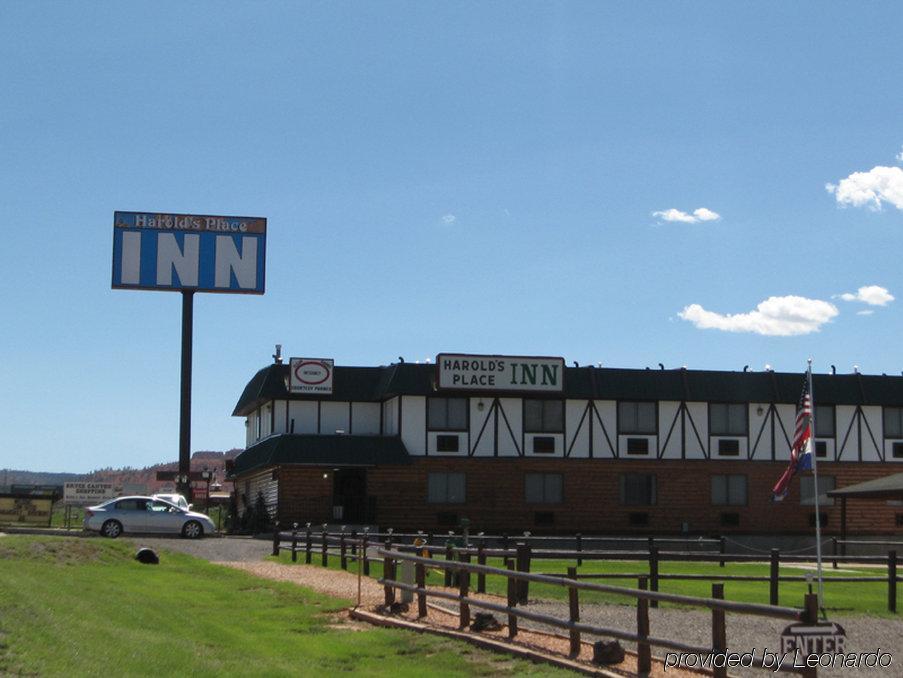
699	184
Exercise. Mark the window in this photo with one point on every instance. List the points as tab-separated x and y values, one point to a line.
446	414
730	520
821	449
893	422
729	490
131	505
897	451
899	520
637	418
638	489
822	519
445	488
728	419
257	423
543	416
543	445
807	494
543	488
638	446
824	421
447	443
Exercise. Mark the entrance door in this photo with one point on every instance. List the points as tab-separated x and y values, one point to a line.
349	490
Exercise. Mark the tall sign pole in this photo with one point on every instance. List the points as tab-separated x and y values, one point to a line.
188	253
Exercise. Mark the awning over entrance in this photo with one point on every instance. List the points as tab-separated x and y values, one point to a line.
888	487
319	450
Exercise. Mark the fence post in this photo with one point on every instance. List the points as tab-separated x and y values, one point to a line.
722	547
420	580
574	609
308	546
481	576
810	616
579	549
643	651
364	555
343	556
324	553
276	539
892	581
524	552
505	542
834	551
463	589
449	556
719	632
295	543
388	575
354	543
653	571
775	564
512	599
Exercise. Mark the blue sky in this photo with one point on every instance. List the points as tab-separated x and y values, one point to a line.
464	177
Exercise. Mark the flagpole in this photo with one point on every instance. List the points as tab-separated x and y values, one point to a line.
813	457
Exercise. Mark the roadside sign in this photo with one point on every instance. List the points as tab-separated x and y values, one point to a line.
87	494
25	509
311	375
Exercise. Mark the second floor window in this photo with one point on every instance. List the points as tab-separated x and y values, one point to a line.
446	414
893	422
636	417
543	416
824	421
727	419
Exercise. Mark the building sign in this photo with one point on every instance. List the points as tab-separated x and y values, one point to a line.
87	494
25	509
500	373
311	375
189	252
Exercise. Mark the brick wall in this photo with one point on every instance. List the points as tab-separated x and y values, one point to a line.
495	497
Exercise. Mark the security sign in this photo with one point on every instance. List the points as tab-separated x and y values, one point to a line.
311	375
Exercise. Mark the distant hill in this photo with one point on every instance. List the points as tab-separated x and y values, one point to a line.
147	476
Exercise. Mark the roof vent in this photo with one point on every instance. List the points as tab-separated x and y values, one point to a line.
277	356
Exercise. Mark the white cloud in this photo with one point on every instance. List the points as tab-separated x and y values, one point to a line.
873	295
867	311
899	155
449	219
872	188
701	214
776	316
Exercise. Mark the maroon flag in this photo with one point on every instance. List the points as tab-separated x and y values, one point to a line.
800	456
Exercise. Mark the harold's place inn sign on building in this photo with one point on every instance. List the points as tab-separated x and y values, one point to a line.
154	251
500	373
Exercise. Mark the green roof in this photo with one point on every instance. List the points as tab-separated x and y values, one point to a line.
380	383
317	450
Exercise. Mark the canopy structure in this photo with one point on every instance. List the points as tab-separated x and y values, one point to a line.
888	487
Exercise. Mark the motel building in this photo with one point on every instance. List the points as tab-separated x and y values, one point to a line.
515	443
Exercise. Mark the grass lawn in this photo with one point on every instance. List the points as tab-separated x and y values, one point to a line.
840	597
71	606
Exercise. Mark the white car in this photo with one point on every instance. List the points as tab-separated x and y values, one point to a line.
176	499
145	514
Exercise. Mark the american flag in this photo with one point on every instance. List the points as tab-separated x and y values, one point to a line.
800	456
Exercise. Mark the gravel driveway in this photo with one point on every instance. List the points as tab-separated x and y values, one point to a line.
214	549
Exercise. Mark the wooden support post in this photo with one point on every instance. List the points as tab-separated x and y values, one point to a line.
722	548
505	542
420	580
643	651
834	551
653	571
343	555
463	590
276	539
366	560
481	576
773	579
449	557
574	609
324	553
719	631
353	542
843	526
524	552
892	581
810	616
579	549
512	600
389	575
308	547
294	546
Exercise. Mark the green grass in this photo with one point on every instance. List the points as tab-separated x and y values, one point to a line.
840	597
85	607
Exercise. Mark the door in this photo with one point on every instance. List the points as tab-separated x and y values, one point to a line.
164	517
349	491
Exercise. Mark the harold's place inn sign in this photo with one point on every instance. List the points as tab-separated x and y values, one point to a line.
500	373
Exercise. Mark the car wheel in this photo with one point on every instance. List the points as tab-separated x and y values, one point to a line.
192	530
111	529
